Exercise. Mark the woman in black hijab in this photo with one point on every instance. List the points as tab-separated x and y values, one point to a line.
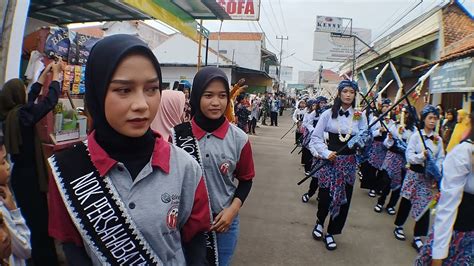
227	155
29	175
151	181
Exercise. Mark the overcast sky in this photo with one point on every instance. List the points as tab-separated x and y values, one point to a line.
296	19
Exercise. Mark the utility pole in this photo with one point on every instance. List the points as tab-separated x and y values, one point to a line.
281	38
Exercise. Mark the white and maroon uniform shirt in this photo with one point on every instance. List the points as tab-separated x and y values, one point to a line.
168	200
226	155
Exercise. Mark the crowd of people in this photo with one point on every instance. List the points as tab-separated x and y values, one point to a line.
159	180
424	158
163	174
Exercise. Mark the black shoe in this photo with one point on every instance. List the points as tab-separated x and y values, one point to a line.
305	198
330	242
378	208
318	231
417	244
372	193
391	211
399	234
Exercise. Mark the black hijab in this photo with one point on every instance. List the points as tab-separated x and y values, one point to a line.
202	79
104	58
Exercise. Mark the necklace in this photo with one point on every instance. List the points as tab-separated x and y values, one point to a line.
345	137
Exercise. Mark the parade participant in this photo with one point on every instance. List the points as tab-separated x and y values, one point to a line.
417	186
12	218
29	178
451	241
274	109
460	130
311	153
298	116
187	106
308	125
394	162
254	114
242	113
337	176
170	113
133	197
224	153
448	127
377	152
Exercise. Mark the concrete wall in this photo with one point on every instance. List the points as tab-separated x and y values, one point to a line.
247	53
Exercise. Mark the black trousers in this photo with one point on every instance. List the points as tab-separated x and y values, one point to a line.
313	186
298	137
252	125
34	207
371	177
75	256
421	227
274	118
386	182
337	224
306	159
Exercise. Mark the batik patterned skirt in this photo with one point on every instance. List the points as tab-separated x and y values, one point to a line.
377	154
461	250
335	175
417	188
393	165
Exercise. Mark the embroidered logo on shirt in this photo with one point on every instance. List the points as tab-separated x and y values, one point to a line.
224	168
172	217
166	198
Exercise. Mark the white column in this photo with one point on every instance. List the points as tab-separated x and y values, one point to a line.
15	43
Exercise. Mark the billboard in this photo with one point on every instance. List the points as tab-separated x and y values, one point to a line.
286	73
455	76
329	24
241	9
327	47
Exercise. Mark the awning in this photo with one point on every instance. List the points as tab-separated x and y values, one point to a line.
72	11
243	70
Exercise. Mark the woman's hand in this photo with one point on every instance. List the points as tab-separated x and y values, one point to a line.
436	262
332	156
44	74
57	68
389	135
224	219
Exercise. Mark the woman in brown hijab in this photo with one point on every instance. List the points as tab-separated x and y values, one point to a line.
20	114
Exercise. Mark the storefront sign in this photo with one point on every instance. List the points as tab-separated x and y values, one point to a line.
331	48
455	76
329	24
241	9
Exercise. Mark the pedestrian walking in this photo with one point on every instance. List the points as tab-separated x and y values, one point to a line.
417	187
451	241
337	176
224	152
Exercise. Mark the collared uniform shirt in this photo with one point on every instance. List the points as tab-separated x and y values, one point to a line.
457	178
168	200
19	234
328	124
398	132
226	156
414	153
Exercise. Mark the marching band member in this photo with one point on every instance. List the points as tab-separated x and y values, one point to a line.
417	186
298	116
394	162
452	239
337	176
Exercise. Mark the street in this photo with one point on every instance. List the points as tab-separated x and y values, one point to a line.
275	226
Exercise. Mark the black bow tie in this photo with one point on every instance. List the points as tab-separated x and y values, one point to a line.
346	113
430	137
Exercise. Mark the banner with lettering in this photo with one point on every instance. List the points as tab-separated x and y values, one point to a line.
241	9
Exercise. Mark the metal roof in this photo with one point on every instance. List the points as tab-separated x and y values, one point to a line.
74	11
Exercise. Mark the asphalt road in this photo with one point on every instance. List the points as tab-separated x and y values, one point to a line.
275	226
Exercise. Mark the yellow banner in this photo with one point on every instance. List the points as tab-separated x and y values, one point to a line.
149	7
